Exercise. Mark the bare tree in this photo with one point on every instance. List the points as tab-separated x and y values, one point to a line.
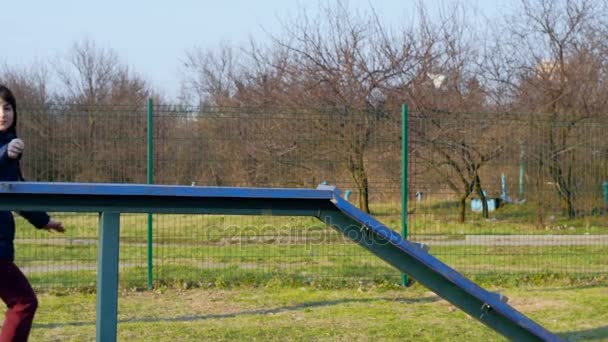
455	147
87	73
96	84
451	135
551	60
351	63
30	85
209	76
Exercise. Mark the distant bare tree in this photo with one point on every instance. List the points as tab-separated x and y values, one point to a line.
209	76
455	147
30	85
348	62
450	135
551	59
87	73
104	93
341	60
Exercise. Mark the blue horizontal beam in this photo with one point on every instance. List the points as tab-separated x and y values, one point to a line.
75	197
162	191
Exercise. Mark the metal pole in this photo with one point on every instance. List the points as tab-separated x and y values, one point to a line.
521	172
150	173
107	276
404	190
605	187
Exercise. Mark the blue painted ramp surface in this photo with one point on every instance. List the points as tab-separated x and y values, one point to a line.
142	190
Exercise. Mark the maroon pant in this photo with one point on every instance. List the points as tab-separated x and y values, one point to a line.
19	297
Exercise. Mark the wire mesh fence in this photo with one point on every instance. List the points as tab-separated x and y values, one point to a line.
251	147
541	178
546	214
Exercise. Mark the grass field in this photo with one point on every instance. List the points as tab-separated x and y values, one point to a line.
304	313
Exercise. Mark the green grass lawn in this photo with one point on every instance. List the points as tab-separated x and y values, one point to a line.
305	313
71	266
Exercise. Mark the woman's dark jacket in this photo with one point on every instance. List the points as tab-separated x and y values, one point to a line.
9	171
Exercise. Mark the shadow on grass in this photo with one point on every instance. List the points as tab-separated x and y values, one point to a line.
278	310
595	334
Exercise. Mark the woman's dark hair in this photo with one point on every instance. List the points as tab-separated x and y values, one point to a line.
7	96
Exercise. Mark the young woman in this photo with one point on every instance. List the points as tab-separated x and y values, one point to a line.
15	289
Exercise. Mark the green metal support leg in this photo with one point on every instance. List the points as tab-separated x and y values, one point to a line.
107	276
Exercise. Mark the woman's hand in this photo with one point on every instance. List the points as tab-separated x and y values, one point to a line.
15	148
54	225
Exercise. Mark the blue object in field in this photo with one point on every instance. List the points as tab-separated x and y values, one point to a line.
324	203
503	196
347	194
605	186
503	185
477	205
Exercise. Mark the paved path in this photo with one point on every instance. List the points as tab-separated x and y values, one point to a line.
514	240
437	240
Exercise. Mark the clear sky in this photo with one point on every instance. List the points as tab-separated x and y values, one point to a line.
152	36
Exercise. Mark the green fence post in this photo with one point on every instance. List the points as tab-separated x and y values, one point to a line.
404	190
521	172
605	187
150	173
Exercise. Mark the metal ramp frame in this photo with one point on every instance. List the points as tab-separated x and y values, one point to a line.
324	203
